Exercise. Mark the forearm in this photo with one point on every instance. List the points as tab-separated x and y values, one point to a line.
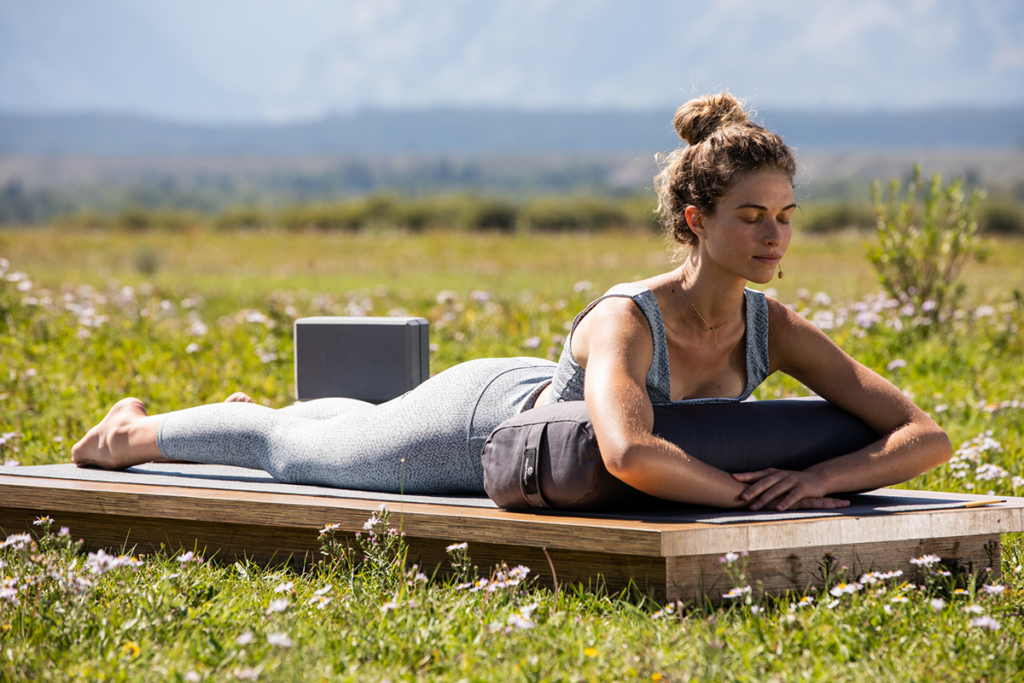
661	469
908	451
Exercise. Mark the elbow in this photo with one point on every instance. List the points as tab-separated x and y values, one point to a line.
943	447
624	462
939	445
932	445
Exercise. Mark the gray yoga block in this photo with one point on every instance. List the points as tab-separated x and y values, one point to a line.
370	359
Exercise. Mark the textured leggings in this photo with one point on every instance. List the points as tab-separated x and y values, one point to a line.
428	440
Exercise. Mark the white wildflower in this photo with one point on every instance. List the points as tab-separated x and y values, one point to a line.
736	593
845	589
985	622
279	639
278	605
925	560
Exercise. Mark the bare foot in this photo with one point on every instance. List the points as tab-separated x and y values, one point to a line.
109	444
239	397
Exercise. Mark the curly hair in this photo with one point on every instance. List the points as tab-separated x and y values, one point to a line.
721	143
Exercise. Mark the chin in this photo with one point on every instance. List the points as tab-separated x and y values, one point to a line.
762	279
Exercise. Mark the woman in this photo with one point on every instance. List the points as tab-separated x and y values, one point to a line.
692	334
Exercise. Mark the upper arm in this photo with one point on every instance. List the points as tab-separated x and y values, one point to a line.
614	341
804	352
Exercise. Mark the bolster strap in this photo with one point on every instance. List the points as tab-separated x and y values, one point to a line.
530	475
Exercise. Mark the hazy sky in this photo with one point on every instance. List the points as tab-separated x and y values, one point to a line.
257	60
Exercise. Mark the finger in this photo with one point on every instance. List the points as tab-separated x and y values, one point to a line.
814	504
772	495
821	504
753	476
794	497
756	489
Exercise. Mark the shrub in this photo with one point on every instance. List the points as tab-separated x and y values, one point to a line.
827	218
416	215
553	214
241	217
1002	218
639	209
921	249
493	214
350	216
134	219
82	220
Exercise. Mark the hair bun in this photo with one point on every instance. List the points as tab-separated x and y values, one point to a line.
699	118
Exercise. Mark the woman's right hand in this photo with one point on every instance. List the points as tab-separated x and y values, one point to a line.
786	490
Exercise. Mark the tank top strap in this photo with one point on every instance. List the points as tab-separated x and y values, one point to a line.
568	381
757	341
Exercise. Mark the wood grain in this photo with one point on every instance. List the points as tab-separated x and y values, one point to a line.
778	571
667	559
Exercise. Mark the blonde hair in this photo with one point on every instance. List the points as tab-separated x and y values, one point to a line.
721	142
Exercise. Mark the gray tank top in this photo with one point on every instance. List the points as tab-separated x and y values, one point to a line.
567	384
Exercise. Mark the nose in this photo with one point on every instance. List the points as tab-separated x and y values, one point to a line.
773	233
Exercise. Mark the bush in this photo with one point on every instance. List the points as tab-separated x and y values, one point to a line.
920	250
348	216
241	217
554	214
134	219
828	218
1002	219
492	214
641	210
82	220
138	219
416	215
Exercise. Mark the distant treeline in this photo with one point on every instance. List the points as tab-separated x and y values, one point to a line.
384	211
276	183
553	213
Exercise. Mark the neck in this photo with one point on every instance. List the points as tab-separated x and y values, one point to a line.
714	293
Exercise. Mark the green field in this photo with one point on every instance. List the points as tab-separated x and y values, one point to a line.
87	317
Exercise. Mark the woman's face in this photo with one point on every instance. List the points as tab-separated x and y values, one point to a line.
750	229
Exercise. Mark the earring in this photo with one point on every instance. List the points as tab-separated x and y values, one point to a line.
780	270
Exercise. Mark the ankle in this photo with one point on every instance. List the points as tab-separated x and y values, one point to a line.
120	442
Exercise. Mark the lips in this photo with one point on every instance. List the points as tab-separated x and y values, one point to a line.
771	259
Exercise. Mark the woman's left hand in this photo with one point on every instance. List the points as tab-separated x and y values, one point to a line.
786	489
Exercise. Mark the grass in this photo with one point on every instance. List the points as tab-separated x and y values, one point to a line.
189	318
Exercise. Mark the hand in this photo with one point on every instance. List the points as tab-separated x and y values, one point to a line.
786	490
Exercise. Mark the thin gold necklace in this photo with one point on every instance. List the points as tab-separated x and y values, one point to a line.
713	329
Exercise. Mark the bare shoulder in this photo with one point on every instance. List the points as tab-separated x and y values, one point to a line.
781	315
792	337
615	324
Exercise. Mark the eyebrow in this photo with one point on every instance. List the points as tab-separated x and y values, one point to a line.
761	208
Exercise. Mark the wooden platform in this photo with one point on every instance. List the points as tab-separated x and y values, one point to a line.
670	559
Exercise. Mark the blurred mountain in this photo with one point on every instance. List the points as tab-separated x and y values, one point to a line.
290	60
469	132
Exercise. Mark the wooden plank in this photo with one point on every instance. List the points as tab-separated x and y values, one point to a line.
40	494
553	530
909	526
796	569
272	509
299	548
666	558
683	577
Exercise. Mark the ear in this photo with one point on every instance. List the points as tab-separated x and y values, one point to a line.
695	219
